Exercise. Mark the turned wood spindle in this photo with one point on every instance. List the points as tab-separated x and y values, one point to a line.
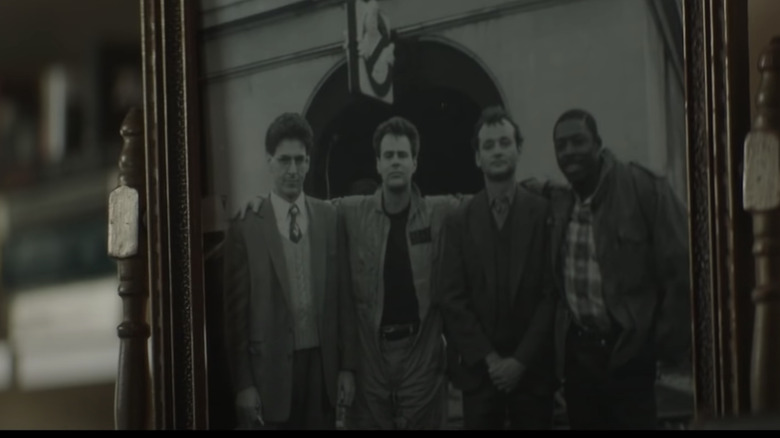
127	245
762	200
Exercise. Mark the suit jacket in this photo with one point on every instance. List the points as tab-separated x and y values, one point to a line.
258	319
468	295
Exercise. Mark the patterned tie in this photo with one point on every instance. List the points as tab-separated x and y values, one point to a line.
295	230
500	210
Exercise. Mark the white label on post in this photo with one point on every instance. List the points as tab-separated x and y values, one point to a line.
123	224
761	189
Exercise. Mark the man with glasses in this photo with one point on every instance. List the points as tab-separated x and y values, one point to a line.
288	360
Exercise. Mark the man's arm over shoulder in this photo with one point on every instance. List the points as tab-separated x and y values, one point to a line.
325	207
447	202
547	189
352	206
442	206
253	205
462	327
535	186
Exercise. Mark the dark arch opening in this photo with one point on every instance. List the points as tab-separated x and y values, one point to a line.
437	87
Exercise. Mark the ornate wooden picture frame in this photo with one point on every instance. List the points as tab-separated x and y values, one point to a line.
167	141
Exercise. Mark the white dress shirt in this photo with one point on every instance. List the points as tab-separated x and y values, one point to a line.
282	211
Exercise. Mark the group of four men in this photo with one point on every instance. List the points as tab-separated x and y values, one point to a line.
375	302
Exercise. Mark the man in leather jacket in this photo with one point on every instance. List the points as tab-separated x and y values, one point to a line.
620	259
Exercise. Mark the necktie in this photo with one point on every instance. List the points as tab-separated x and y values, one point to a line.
295	230
500	210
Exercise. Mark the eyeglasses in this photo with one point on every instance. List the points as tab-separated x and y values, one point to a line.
286	160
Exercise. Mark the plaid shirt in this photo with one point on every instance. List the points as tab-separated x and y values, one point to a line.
581	272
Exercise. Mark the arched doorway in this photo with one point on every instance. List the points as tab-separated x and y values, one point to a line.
438	87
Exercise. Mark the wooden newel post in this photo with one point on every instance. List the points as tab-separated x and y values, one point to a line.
127	245
762	200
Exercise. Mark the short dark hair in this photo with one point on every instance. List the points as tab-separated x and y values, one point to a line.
288	126
583	116
398	127
493	115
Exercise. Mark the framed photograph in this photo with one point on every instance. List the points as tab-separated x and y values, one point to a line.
648	79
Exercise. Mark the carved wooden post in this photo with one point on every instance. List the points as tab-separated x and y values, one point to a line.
127	245
762	200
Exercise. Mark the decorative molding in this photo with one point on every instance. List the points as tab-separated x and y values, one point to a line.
408	31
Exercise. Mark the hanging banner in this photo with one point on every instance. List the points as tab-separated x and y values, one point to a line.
370	50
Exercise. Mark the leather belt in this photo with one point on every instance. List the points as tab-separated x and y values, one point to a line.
395	332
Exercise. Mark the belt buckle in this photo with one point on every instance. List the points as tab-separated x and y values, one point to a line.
387	330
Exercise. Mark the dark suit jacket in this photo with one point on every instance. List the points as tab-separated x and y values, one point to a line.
468	295
258	321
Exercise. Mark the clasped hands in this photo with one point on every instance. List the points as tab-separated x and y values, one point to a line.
505	372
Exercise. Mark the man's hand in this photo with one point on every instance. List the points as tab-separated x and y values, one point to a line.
248	407
253	205
346	388
492	359
506	373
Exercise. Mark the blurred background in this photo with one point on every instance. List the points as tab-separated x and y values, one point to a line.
69	71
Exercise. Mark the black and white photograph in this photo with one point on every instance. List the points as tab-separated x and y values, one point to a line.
446	214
